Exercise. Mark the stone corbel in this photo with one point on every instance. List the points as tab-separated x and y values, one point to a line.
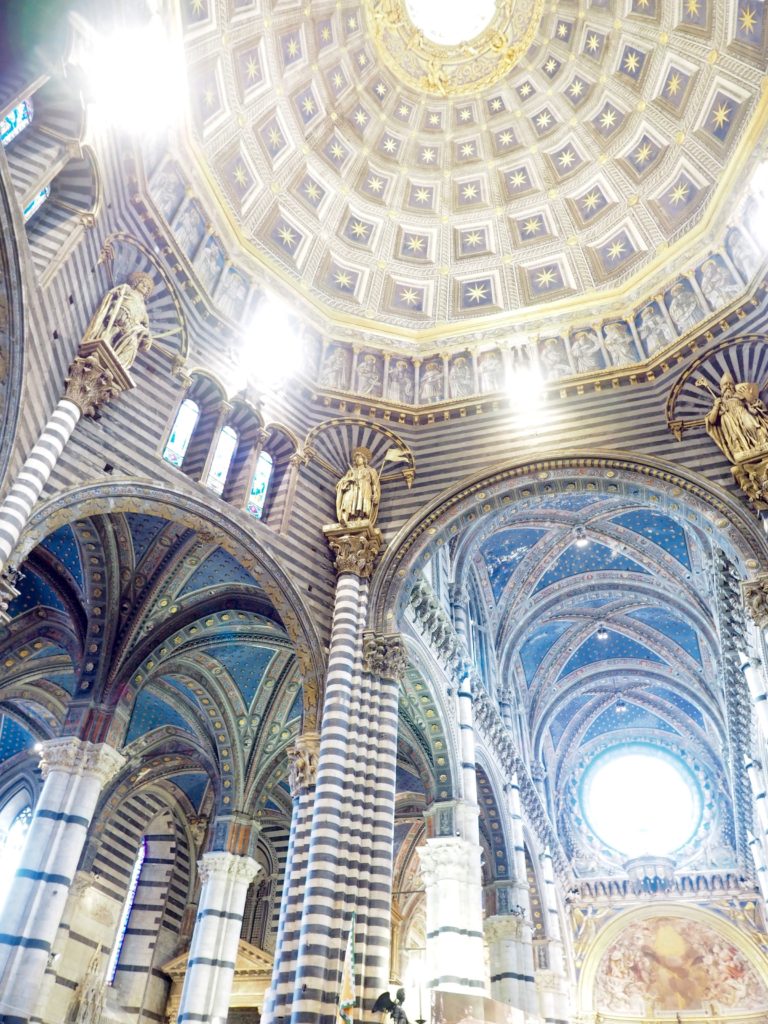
754	594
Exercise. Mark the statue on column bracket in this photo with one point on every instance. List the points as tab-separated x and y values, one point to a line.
738	424
122	321
358	492
118	330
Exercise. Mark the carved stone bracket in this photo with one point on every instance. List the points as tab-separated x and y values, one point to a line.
303	760
752	477
384	655
754	594
8	580
356	550
95	376
79	757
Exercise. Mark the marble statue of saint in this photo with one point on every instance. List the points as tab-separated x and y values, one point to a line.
400	383
432	383
738	420
334	370
490	373
684	308
554	359
718	286
358	492
460	378
743	255
368	374
122	320
653	329
584	351
618	342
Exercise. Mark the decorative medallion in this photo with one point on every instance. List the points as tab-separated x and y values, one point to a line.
417	43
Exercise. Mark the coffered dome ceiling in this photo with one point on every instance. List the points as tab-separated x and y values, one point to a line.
353	156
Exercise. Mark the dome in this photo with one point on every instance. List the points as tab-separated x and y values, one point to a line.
590	158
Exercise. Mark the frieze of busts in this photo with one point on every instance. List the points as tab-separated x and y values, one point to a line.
754	593
384	656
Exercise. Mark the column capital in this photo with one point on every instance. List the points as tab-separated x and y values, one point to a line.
95	376
754	594
506	926
80	757
356	550
223	865
458	593
455	858
384	655
303	757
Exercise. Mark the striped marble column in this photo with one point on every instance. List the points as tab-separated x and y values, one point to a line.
455	956
350	848
510	936
213	950
324	919
303	779
384	659
93	379
75	772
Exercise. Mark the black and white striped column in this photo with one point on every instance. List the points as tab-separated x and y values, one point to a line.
213	950
510	936
16	509
326	908
303	779
75	772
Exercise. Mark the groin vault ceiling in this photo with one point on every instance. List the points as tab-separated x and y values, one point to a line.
349	156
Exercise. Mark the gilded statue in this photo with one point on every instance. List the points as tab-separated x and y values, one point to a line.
358	492
738	420
122	320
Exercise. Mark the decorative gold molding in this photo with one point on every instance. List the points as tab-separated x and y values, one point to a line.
467	67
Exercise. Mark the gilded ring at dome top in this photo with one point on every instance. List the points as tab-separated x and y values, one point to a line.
452	70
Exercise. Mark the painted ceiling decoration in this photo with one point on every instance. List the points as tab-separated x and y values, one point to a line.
604	622
409	210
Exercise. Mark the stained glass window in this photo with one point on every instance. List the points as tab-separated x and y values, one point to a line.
222	457
15	121
126	914
181	434
260	485
11	845
34	204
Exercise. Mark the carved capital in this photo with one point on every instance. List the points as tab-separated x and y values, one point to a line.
198	826
754	594
384	655
79	757
444	860
223	865
95	376
356	550
303	760
506	927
